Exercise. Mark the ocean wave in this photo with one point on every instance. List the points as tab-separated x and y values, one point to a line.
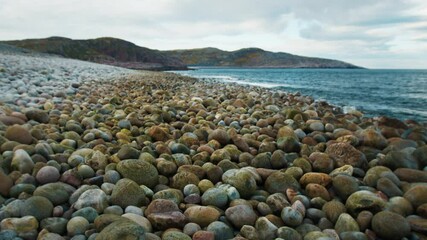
396	93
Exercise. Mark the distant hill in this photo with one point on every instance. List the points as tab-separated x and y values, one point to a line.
252	57
111	51
122	53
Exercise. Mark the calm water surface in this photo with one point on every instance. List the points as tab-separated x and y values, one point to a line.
397	93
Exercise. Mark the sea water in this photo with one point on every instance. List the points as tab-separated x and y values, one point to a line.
400	94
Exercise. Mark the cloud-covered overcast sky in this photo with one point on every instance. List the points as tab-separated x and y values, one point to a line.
369	33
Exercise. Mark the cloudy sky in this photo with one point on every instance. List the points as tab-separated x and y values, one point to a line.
369	33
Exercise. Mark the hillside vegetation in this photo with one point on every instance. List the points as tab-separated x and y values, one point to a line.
122	53
252	57
110	51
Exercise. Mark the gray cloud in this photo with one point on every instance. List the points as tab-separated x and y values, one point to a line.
391	20
424	39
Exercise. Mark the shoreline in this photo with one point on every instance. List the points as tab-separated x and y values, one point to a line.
164	156
405	106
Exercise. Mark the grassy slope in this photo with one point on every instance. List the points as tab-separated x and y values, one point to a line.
126	54
252	57
103	50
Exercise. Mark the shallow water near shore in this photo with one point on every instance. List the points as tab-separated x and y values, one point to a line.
397	93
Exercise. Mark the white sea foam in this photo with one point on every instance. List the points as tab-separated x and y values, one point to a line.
349	109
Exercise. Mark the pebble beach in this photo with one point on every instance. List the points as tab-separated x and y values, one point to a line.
96	152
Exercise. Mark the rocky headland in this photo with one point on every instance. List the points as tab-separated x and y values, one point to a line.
118	52
107	50
91	151
252	58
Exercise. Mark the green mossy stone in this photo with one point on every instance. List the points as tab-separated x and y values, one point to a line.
316	235
58	193
373	174
54	225
345	185
243	181
171	194
148	157
140	171
346	223
219	155
77	226
279	182
306	228
286	131
304	164
389	225
288	233
364	200
288	144
19	188
175	235
128	193
219	135
128	152
122	229
226	165
333	209
181	179
39	207
262	160
104	220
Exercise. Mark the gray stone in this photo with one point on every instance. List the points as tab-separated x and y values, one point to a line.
221	230
241	215
94	198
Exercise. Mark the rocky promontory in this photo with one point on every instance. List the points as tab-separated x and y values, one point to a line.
252	58
106	50
91	151
121	53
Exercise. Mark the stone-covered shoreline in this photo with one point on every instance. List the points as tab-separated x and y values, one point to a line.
97	152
